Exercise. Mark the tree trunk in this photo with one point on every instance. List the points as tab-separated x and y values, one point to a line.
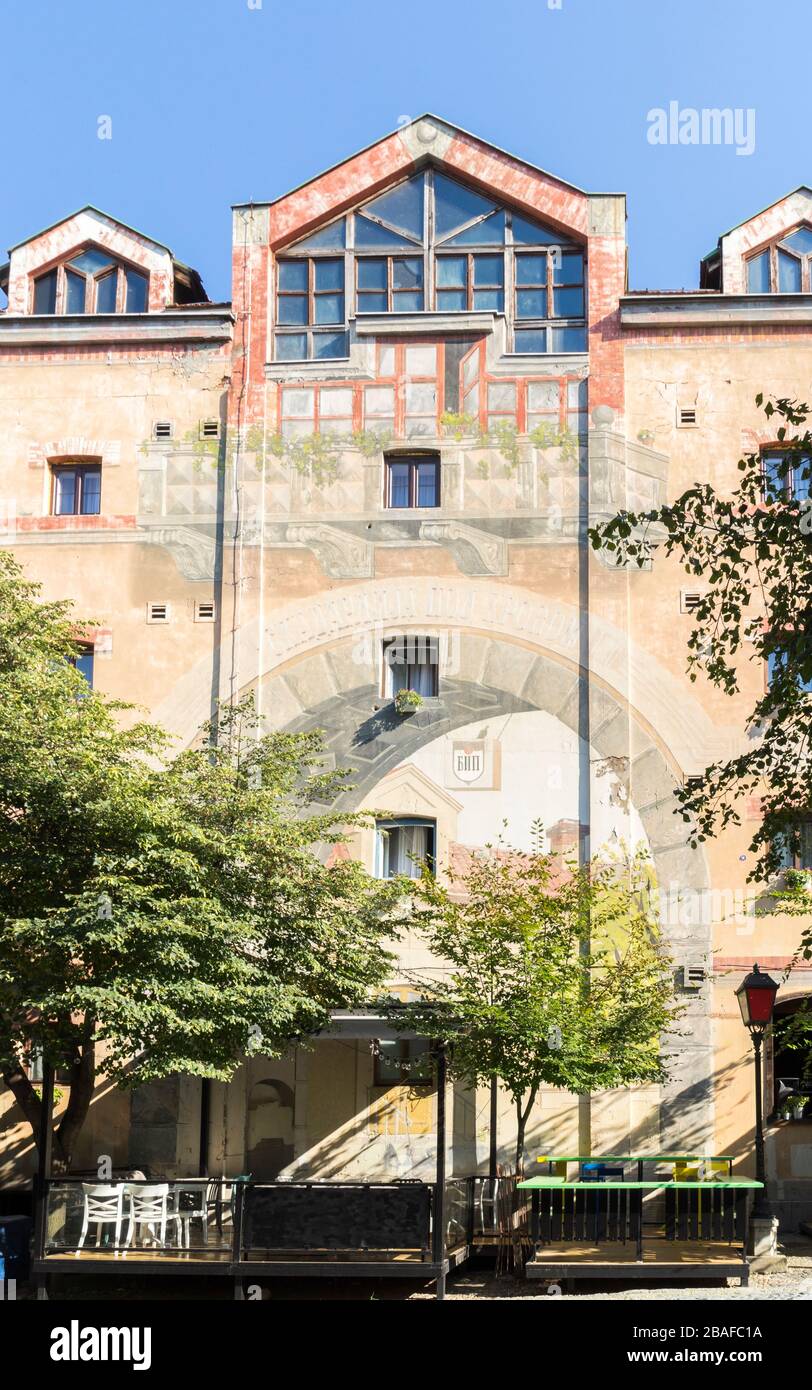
83	1079
25	1096
82	1082
522	1116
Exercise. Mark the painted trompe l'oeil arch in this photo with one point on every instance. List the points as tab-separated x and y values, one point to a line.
508	651
295	633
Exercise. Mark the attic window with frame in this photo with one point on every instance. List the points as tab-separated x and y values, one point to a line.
785	267
686	415
158	613
205	610
689	600
430	244
92	282
163	429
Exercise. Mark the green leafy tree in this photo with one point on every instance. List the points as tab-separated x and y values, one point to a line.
751	548
160	915
551	975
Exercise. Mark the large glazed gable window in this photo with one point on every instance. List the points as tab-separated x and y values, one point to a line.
783	268
431	244
92	282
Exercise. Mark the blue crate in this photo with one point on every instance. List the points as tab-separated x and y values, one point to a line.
599	1172
15	1246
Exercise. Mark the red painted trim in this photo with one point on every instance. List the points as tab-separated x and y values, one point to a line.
110	522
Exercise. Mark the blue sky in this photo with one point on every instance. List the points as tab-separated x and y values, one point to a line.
214	102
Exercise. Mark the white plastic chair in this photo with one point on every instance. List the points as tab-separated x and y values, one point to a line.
194	1194
104	1206
149	1206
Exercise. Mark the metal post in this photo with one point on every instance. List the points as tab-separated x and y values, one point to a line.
205	1120
438	1234
237	1203
761	1206
494	1119
45	1140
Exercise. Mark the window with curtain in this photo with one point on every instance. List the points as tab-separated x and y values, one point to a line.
402	847
411	663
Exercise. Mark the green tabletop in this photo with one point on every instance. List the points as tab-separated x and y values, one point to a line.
709	1184
636	1158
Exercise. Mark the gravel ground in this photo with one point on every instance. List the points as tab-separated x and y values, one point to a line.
796	1283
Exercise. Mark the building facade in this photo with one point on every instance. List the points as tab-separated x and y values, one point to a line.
376	467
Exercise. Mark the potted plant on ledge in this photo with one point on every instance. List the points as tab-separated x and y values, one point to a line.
407	701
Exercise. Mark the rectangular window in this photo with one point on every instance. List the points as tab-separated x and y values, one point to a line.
471	281
76	489
402	1062
543	404
389	284
758	274
310	309
83	663
402	847
136	293
801	858
777	661
549	286
45	293
411	663
785	476
412	482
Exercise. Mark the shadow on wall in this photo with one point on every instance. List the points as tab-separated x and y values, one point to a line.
269	1129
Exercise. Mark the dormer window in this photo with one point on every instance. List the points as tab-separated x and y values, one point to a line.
783	268
93	282
430	244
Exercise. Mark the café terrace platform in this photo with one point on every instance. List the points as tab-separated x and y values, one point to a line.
617	1217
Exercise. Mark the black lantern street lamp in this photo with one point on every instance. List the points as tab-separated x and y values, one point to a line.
756	996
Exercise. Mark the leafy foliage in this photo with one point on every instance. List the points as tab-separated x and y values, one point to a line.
555	975
752	548
177	912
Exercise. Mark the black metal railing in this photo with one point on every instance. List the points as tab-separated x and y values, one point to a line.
167	1218
332	1218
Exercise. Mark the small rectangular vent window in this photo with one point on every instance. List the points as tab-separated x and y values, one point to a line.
205	611
162	429
689	600
686	415
694	782
158	612
209	429
693	976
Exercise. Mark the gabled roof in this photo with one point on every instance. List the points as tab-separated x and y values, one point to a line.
434	120
802	188
89	207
